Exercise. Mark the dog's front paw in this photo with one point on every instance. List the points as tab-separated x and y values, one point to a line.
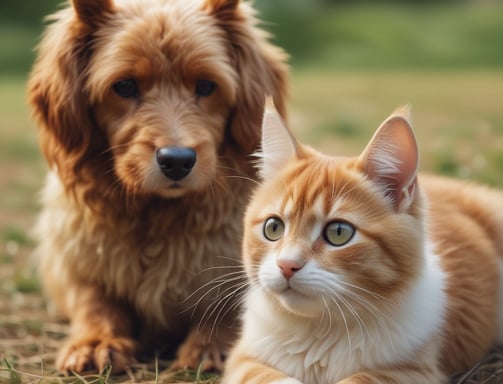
194	354
92	354
203	350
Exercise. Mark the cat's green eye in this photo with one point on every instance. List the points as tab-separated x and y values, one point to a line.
339	233
273	228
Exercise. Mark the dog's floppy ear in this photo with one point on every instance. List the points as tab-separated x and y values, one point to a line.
91	12
221	8
57	93
260	66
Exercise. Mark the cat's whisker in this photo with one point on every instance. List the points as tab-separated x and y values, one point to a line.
382	320
347	296
240	300
234	293
216	186
206	316
355	314
232	174
334	290
218	267
243	178
216	282
369	306
237	263
333	299
235	281
364	303
327	313
373	294
235	296
217	306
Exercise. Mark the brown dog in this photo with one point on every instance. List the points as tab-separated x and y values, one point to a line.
148	111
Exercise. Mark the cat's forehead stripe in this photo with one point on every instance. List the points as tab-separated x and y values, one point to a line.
319	206
313	184
335	207
288	206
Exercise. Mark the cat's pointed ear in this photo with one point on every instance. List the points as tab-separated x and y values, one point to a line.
278	144
391	158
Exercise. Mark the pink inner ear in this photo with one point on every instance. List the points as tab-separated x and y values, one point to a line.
391	158
278	144
406	143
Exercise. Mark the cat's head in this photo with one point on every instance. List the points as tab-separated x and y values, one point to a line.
334	233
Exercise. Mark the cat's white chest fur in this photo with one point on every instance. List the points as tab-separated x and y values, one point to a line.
323	351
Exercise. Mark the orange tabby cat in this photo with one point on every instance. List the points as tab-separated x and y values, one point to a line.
360	272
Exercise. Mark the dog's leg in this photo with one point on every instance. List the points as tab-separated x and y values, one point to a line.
207	346
101	335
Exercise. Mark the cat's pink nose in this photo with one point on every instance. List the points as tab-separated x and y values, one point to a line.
289	267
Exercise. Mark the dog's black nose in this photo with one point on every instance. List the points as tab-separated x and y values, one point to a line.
176	162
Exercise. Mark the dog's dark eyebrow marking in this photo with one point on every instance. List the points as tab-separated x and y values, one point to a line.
162	32
228	128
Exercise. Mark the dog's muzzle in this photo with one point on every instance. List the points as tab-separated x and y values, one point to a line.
176	162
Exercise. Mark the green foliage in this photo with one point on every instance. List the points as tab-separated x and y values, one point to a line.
21	149
13	376
347	126
21	23
27	283
28	12
16	235
17	43
383	35
447	165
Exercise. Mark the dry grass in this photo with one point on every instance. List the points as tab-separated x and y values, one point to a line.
30	339
487	371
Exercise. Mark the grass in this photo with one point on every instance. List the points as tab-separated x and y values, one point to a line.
156	372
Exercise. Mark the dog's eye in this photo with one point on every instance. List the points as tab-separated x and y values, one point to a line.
126	88
204	87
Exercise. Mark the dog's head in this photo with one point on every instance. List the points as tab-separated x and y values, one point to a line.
149	95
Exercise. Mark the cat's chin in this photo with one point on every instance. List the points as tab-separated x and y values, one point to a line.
299	304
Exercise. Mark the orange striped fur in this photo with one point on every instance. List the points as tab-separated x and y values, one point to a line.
413	296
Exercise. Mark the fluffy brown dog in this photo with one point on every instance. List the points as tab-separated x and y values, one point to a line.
148	111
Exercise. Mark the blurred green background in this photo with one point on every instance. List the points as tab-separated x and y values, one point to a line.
352	63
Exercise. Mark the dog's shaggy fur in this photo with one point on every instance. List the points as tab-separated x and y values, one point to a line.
129	250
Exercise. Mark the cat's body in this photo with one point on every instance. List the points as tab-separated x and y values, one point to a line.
409	291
